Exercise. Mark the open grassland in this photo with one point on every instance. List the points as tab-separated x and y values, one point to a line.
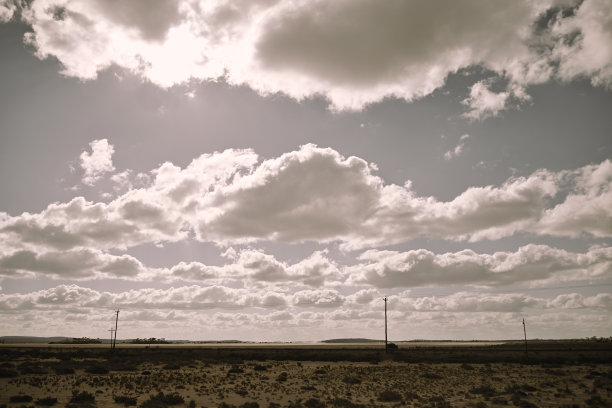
553	374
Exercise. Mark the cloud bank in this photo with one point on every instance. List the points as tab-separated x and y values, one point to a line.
352	52
317	195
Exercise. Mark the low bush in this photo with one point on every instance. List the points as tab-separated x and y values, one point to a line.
344	403
314	403
8	373
351	380
46	402
125	400
20	398
162	400
389	396
81	397
484	389
96	369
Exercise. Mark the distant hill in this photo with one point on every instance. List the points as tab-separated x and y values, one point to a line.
350	340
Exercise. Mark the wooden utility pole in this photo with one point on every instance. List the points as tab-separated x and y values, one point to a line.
116	323
111	339
525	333
385	299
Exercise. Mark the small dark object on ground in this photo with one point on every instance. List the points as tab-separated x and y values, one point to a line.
46	402
351	380
82	396
392	346
20	398
389	396
163	400
125	400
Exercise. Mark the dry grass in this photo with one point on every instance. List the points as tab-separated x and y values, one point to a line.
161	378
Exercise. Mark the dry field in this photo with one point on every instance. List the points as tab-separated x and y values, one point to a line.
553	376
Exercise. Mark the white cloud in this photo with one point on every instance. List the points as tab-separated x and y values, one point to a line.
531	264
458	149
98	162
483	102
197	312
82	263
7	9
587	207
313	194
392	48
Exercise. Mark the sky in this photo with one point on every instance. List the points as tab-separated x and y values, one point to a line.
270	170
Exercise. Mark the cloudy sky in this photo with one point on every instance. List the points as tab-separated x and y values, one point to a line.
271	169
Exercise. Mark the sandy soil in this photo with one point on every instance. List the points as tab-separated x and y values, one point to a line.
315	384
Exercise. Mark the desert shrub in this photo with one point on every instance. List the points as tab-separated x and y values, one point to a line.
260	367
20	398
431	376
96	369
478	404
31	368
62	369
344	403
8	373
409	396
225	405
162	400
439	402
499	401
389	396
235	370
251	404
526	404
172	366
192	404
519	389
467	366
351	380
282	377
81	397
46	402
125	400
484	389
314	403
596	401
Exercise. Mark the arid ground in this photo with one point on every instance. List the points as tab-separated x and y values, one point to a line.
551	375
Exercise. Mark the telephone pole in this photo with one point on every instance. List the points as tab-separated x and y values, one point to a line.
385	299
111	339
116	323
525	332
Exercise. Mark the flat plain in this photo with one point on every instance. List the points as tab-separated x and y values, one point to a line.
550	374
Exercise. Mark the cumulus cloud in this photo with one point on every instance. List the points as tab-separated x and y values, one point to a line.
261	269
483	102
82	263
530	264
586	207
395	48
324	313
7	9
468	302
313	194
98	162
